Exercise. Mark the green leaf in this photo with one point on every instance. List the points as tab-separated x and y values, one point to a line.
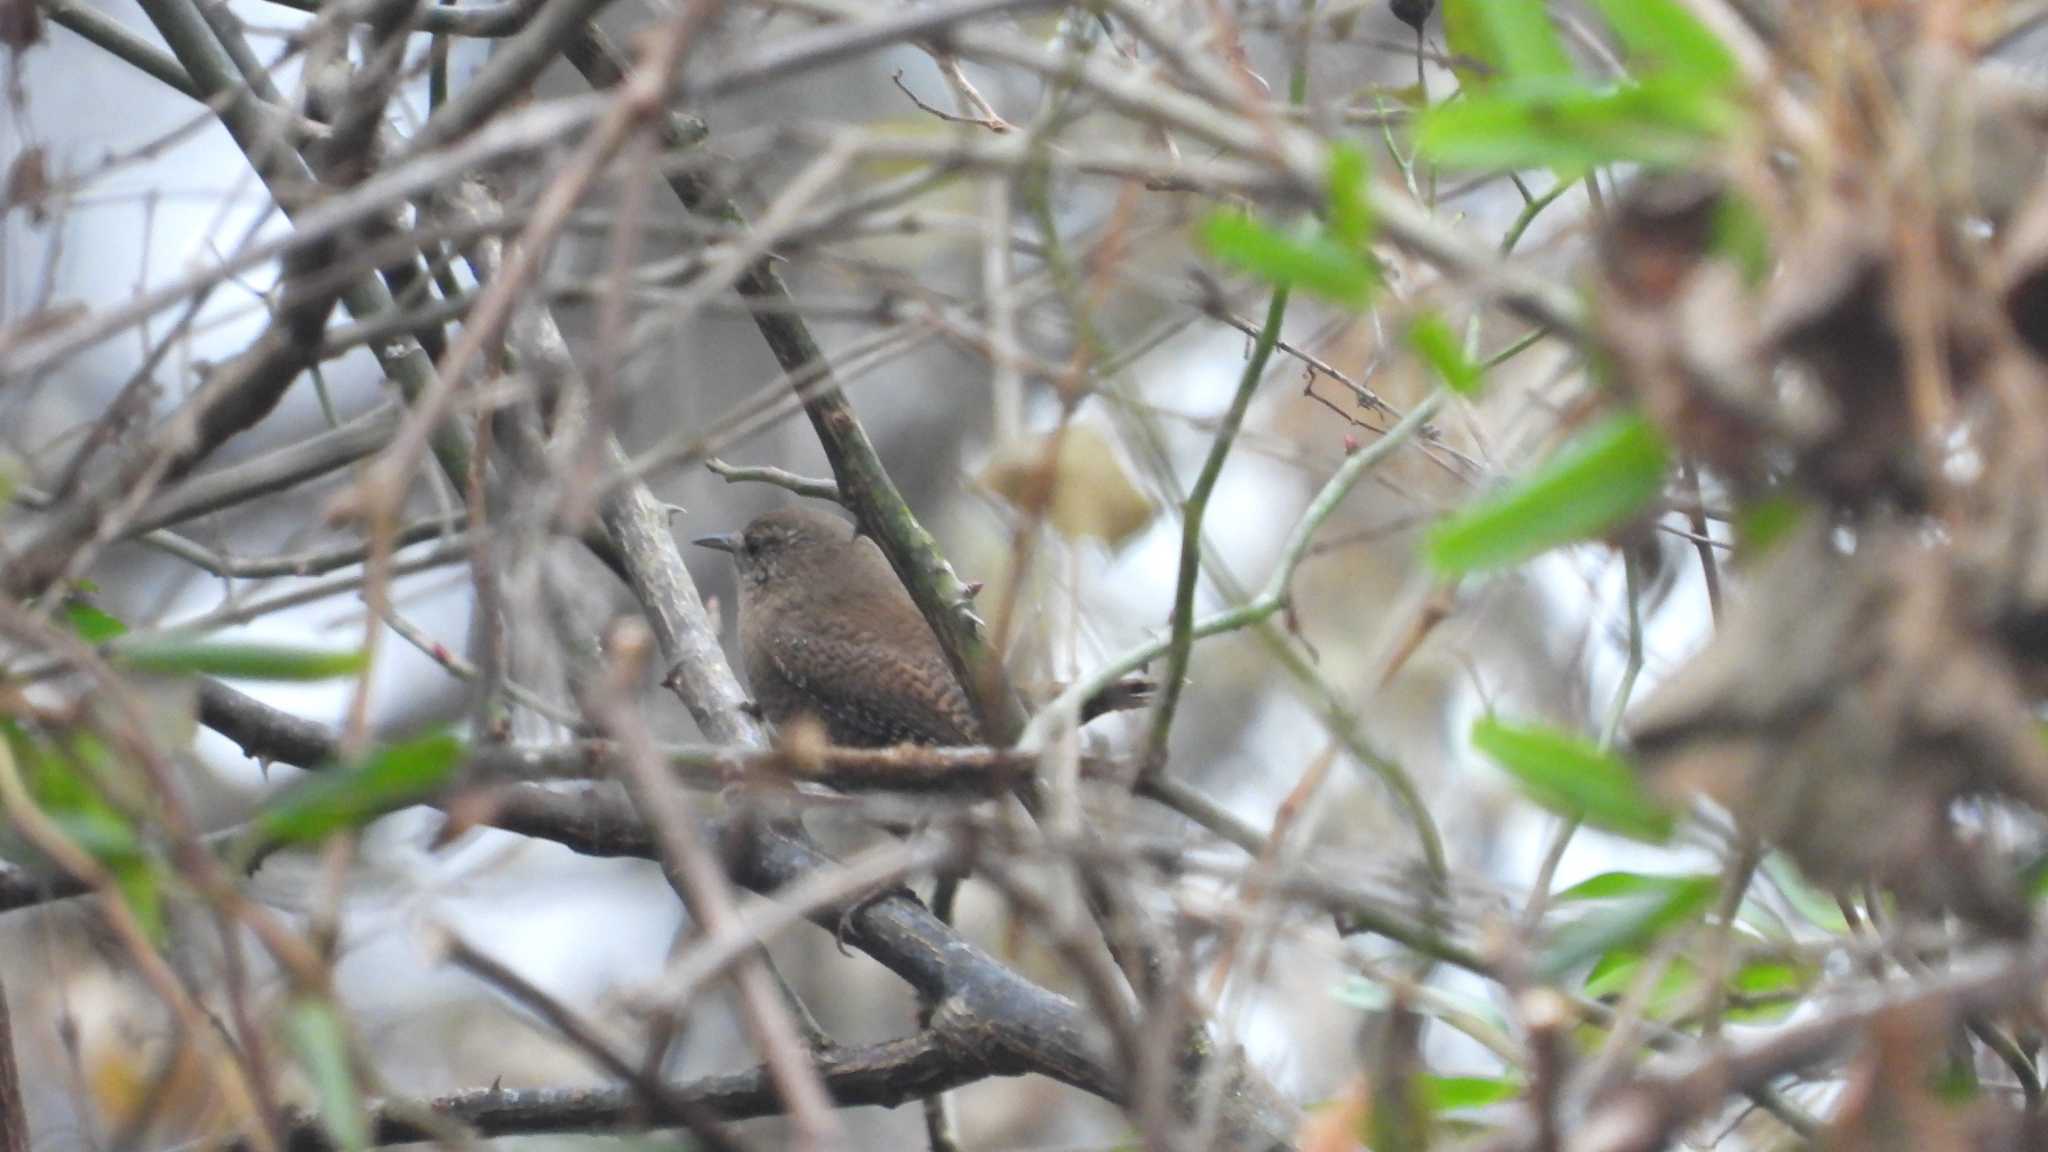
1741	235
142	890
1350	211
67	775
1810	903
1604	478
389	778
1453	1093
1571	776
320	1040
1613	885
1660	122
1627	924
1771	989
174	656
1770	978
1308	259
1662	36
1616	973
1761	525
1513	37
90	623
1364	995
1431	337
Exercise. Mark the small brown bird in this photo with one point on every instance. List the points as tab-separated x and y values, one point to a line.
828	631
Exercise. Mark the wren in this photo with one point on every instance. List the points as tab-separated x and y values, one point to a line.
827	631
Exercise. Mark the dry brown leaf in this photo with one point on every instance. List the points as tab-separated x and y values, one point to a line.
1086	492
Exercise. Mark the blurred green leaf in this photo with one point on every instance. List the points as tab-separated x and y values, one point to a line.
235	660
1765	977
1762	524
142	890
1571	127
320	1040
1816	906
1956	1083
1767	990
1629	923
1616	974
1406	96
1611	885
1363	994
1661	35
1452	1093
1431	337
1741	235
1513	37
1571	776
350	796
1309	259
1350	210
68	775
90	623
1599	481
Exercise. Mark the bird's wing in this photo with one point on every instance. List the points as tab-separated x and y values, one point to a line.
876	692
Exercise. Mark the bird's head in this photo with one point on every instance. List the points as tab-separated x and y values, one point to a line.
788	542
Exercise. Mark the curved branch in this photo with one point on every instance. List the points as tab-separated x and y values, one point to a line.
875	1075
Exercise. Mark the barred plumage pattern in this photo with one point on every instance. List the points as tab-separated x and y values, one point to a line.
827	630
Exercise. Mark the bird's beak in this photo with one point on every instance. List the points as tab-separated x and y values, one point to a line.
723	542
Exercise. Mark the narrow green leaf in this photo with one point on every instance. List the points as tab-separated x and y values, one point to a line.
1514	37
1809	902
1660	122
1350	211
320	1040
90	623
96	827
1611	974
1453	1093
1613	885
1606	477
142	890
239	660
1662	35
1431	337
1571	776
1628	924
1616	973
67	776
387	779
1309	260
1766	990
1768	977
